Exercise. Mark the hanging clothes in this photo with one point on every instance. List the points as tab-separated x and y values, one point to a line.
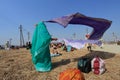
40	48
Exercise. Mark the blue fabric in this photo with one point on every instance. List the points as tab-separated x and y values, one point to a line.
69	48
40	48
54	55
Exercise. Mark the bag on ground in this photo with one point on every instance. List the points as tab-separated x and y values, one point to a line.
98	65
71	74
84	64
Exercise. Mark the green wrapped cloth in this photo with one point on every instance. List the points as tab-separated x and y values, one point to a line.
40	48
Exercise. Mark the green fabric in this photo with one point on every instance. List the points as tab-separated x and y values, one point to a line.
40	48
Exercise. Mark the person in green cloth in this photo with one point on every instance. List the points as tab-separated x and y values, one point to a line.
40	48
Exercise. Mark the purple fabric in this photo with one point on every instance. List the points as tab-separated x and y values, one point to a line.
99	25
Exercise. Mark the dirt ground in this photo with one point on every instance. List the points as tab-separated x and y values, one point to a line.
17	65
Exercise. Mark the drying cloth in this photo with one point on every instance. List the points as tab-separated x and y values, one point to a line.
40	48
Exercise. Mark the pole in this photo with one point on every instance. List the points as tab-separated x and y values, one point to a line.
10	42
28	36
21	37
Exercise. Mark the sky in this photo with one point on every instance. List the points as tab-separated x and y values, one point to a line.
27	13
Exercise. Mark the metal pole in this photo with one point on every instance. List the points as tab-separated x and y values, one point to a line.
21	37
28	36
10	41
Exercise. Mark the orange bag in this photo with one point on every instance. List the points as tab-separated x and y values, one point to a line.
71	74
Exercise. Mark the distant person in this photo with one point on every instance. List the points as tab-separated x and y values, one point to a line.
54	49
64	48
101	42
0	47
89	46
101	46
7	45
28	45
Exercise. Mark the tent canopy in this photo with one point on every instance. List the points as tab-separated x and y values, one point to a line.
99	25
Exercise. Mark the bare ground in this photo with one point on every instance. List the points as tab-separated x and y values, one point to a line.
17	65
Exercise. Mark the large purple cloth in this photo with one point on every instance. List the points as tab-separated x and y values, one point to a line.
99	25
